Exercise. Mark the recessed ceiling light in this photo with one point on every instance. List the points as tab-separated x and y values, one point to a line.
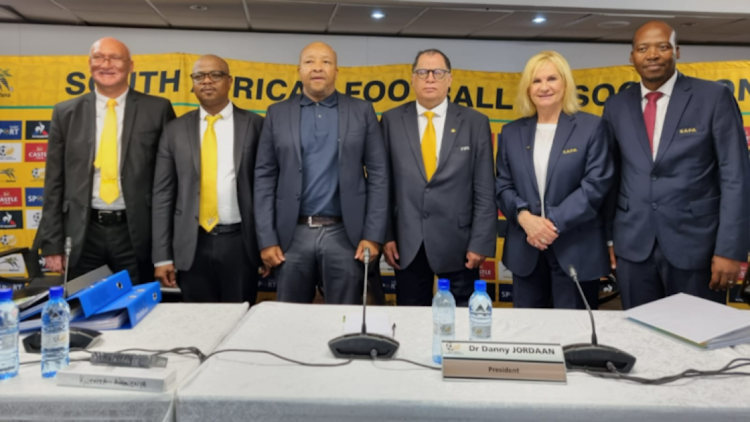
378	15
199	7
613	24
539	19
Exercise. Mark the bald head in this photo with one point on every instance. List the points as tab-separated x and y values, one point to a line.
318	70
112	45
656	26
111	66
318	49
655	53
213	62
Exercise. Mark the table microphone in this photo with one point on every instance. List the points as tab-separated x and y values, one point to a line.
363	345
68	248
594	356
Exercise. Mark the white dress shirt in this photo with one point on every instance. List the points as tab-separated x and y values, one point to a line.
545	134
661	108
226	180
101	112
438	120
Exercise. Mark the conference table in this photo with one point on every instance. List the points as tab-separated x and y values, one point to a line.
256	387
29	397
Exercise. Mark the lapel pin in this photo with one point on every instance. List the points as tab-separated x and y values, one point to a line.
528	147
453	130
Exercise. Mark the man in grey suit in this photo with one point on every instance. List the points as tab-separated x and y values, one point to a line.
316	206
204	171
100	168
443	218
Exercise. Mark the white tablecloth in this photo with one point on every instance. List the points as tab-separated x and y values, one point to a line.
29	397
252	387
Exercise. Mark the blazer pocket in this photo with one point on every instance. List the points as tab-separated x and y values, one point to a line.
622	202
464	219
706	206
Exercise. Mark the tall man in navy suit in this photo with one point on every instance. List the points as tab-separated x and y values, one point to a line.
680	218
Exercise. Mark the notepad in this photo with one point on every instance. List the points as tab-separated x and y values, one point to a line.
697	321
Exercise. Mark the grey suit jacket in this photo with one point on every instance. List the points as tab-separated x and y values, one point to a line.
455	211
177	187
278	173
70	171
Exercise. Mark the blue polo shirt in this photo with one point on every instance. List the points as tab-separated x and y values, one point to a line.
319	142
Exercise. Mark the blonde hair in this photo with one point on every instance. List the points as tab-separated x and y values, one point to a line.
570	100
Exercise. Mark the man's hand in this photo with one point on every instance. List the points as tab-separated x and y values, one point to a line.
374	250
165	275
55	263
474	260
272	257
724	272
390	250
540	232
612	258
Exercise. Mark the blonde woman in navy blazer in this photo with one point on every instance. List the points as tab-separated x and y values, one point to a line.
554	171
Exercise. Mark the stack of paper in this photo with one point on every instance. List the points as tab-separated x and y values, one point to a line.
697	321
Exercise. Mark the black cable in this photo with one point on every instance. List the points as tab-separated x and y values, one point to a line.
726	370
374	356
279	357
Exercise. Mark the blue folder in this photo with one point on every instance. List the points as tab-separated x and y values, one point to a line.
102	293
137	303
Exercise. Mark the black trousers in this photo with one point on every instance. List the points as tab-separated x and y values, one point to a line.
109	244
656	278
221	271
414	283
548	286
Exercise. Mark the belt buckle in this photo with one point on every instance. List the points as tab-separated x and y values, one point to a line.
99	216
310	223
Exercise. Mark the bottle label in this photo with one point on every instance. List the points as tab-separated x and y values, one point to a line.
9	341
442	329
481	331
55	340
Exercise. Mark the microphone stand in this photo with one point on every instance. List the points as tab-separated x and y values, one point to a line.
594	356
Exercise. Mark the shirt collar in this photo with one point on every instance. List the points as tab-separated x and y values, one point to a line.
440	110
330	101
665	89
225	113
101	100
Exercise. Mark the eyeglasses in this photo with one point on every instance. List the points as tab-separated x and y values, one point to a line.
113	60
214	76
437	73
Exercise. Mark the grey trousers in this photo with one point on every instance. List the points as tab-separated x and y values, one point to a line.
320	257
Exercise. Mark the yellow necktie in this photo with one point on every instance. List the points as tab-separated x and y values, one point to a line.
429	146
106	158
209	205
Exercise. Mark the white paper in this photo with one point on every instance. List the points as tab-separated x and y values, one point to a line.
377	323
694	319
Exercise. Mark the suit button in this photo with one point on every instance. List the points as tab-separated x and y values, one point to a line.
300	169
538	204
425	215
654	206
653	177
427	190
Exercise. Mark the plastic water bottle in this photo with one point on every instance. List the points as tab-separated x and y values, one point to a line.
8	335
55	333
443	318
480	312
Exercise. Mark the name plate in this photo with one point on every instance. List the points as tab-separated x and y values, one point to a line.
503	361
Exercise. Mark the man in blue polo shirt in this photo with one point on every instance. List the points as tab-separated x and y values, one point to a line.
321	187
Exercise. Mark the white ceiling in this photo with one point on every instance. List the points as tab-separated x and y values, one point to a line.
418	18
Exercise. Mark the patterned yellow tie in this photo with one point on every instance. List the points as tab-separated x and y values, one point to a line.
429	146
209	205
106	158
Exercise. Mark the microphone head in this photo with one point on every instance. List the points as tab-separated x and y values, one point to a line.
367	254
68	244
572	271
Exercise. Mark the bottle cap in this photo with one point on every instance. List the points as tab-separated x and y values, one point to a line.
444	284
6	294
480	286
56	292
